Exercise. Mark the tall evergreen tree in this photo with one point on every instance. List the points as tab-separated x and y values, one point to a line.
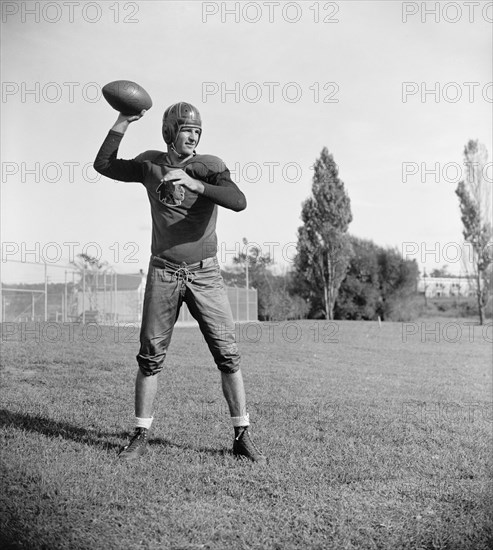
474	194
323	244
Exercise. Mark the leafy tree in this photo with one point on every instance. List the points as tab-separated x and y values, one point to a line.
282	301
359	294
257	261
275	299
440	272
323	248
474	194
379	282
258	264
90	271
398	281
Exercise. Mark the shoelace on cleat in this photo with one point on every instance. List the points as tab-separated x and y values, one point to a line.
249	440
138	439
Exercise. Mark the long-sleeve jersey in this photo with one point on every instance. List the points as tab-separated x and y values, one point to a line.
186	232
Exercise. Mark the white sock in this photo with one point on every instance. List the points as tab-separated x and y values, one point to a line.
143	422
240	421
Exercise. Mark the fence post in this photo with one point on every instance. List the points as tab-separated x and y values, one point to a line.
65	300
237	303
116	298
46	292
246	284
84	294
104	297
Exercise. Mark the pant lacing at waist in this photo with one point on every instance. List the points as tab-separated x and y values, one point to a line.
183	273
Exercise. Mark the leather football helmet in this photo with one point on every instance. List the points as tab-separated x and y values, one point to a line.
176	117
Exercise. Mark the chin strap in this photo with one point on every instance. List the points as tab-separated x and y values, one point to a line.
179	155
173	148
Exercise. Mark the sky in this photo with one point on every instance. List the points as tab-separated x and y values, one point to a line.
394	90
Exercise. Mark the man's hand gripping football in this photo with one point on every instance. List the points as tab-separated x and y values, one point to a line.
171	189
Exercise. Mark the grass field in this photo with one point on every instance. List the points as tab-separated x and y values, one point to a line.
376	438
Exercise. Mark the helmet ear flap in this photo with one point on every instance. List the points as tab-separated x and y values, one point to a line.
168	139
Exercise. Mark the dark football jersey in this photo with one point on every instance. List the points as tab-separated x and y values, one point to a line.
185	232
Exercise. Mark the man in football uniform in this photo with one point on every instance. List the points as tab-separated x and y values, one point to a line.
184	191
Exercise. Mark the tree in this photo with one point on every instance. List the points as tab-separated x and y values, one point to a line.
359	294
256	265
253	256
323	248
379	283
276	302
474	194
398	283
282	300
440	272
90	269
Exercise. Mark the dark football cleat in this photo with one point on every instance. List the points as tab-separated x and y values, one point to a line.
244	447
137	446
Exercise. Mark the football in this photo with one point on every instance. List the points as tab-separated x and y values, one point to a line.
127	97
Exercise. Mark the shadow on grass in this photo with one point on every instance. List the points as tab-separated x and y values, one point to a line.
54	428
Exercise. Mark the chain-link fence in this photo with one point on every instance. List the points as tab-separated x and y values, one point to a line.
63	293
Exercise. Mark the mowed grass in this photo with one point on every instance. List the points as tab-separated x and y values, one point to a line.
376	438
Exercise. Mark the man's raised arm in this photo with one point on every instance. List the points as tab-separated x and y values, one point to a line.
106	162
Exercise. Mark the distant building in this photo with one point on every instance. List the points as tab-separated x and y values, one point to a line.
244	305
120	298
440	287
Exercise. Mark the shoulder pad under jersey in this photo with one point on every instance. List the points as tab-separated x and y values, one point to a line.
151	156
212	163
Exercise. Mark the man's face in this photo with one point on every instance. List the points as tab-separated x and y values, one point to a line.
187	140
